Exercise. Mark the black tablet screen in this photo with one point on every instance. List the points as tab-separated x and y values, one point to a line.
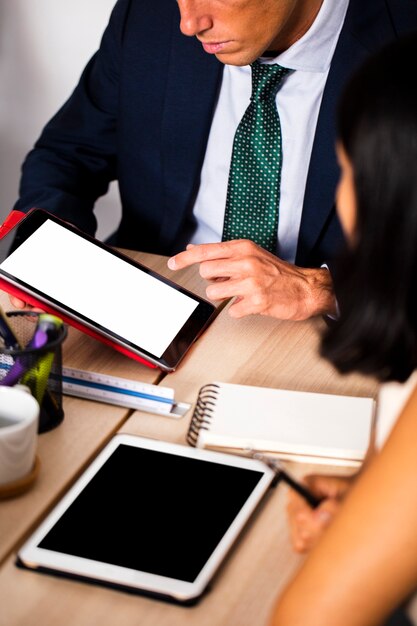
154	512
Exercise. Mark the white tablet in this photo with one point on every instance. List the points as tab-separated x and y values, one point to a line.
149	517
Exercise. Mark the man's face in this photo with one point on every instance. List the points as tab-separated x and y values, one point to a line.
238	31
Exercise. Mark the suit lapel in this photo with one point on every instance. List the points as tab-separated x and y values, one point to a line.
367	26
194	79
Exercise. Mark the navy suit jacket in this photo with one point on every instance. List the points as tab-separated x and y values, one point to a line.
142	112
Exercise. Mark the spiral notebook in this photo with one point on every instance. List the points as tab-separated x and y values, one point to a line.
294	425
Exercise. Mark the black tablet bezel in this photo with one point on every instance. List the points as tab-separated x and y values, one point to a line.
194	326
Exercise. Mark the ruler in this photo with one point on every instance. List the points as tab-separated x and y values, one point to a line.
121	392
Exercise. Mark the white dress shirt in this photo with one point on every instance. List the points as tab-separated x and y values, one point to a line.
298	101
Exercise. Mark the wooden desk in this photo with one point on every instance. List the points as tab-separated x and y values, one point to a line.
256	351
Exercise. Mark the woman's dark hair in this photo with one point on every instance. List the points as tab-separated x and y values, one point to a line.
376	282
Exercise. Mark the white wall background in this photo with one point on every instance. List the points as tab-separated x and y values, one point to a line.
44	45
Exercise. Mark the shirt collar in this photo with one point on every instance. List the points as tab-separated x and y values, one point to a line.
313	52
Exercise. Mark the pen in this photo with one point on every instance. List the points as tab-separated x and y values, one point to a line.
24	361
282	473
9	338
46	330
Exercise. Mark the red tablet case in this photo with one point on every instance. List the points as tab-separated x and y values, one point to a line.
11	221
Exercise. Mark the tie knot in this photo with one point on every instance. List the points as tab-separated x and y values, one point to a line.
266	80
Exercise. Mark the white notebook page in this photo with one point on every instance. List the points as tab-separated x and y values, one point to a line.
294	422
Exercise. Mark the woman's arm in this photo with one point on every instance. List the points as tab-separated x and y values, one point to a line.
366	563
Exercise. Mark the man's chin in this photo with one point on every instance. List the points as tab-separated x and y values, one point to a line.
235	58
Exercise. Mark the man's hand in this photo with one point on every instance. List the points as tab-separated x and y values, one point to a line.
17	303
260	282
306	524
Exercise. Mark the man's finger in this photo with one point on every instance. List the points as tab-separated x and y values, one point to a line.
222	290
200	253
17	303
223	268
241	307
237	248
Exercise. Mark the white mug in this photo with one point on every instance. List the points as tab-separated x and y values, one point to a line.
19	417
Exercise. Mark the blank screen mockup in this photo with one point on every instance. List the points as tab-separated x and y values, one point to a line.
101	287
154	512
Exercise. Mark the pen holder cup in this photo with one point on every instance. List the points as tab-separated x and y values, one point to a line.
42	367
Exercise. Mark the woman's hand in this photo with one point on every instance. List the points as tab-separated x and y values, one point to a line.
306	524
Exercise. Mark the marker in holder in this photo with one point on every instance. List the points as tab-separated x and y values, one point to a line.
35	361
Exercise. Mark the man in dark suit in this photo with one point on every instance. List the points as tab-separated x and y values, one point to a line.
157	111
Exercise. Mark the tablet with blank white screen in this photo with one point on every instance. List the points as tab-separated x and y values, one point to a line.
150	517
96	288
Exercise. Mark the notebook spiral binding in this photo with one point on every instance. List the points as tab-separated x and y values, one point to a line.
203	412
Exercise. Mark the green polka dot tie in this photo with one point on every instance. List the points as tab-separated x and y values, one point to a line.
252	203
